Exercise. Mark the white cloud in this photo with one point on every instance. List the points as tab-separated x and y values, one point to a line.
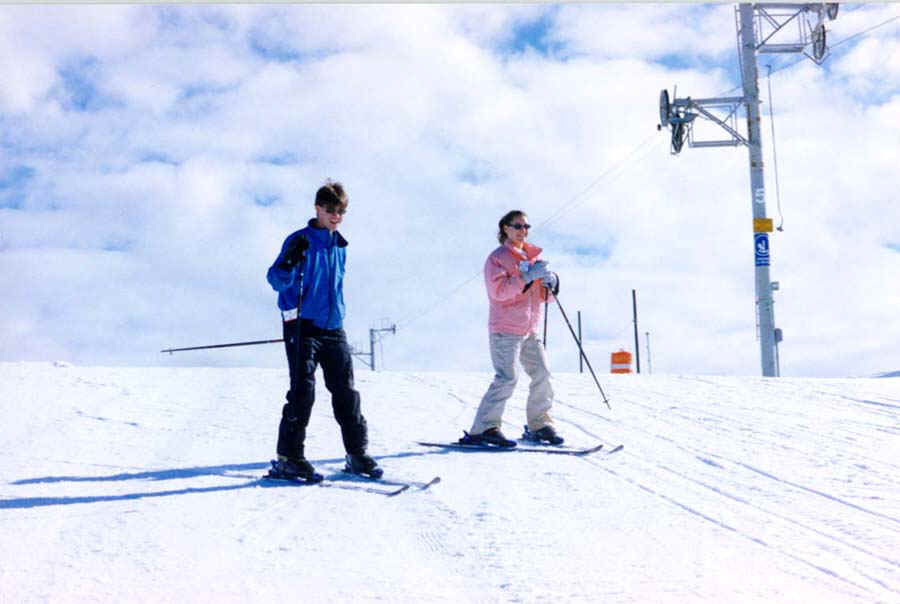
163	210
648	31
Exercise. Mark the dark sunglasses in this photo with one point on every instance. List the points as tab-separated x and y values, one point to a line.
333	211
519	226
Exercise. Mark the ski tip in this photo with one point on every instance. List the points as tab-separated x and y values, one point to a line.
398	491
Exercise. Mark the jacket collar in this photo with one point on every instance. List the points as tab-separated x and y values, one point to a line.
324	236
527	252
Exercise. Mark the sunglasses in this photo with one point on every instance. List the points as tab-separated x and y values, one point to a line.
519	226
333	211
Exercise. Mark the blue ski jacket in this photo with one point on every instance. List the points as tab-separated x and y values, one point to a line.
316	285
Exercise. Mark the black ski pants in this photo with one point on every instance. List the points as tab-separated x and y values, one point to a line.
308	346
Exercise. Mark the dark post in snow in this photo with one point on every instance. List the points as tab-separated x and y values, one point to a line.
637	346
580	360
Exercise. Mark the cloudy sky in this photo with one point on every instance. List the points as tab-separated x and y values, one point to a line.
153	158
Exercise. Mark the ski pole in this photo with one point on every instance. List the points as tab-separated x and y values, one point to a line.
581	351
546	312
171	350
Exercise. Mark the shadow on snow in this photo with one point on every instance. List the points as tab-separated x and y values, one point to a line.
225	471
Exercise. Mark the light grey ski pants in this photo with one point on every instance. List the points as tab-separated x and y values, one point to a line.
506	349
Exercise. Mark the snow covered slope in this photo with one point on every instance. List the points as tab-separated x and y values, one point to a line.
142	484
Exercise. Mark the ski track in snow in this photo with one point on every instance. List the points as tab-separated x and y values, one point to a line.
839	541
123	484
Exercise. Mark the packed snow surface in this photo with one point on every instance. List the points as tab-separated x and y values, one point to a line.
143	485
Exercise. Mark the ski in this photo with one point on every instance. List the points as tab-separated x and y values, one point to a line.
606	452
396	487
327	484
401	485
547	449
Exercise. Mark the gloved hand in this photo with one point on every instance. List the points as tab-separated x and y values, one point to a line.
531	272
295	252
551	282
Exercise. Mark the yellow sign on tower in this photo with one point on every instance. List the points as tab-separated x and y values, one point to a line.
762	225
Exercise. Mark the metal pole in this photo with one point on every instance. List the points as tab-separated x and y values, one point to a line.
171	350
649	364
765	310
580	361
637	347
778	338
372	337
546	308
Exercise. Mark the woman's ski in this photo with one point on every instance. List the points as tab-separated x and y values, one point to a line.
548	449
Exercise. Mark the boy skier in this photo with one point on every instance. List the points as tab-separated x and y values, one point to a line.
308	276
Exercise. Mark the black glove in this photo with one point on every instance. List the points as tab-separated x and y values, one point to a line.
294	253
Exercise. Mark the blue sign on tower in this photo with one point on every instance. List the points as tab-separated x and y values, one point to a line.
761	247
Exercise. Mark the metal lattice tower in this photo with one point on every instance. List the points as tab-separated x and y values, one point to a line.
762	28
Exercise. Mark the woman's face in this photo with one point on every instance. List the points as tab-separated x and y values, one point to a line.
517	230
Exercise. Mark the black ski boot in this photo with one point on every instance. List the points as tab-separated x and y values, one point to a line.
492	437
546	435
363	465
299	470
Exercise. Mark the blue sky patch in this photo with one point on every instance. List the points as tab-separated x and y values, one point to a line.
201	90
476	173
676	61
13	184
728	63
198	100
596	252
266	199
79	86
159	158
218	19
169	18
285	158
533	34
118	245
273	50
585	252
282	52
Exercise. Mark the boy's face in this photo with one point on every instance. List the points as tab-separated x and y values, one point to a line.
329	217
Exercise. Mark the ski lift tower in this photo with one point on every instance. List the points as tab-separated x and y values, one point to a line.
762	28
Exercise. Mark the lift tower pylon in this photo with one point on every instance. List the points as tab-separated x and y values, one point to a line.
761	29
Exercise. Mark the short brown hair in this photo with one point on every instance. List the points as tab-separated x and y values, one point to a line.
506	221
331	195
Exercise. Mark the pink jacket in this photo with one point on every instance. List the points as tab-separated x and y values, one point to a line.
512	311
